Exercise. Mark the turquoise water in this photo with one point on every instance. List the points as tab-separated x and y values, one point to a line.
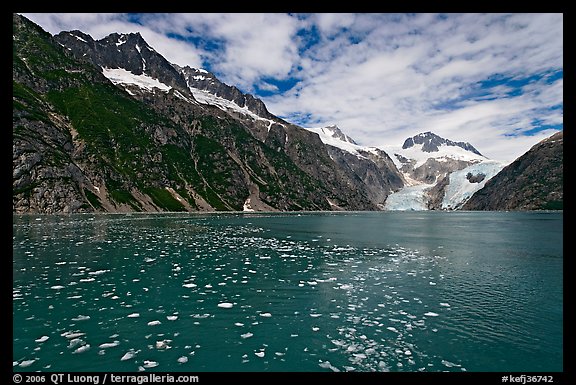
381	291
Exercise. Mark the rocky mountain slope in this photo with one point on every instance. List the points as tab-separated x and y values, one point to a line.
110	125
534	181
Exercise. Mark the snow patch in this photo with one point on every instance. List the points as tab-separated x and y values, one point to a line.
122	76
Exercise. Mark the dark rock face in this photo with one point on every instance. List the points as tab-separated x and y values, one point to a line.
534	181
475	178
374	172
434	170
129	51
431	142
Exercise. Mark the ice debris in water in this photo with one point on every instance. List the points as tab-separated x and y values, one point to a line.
154	323
247	335
109	344
57	287
42	339
26	363
150	364
81	318
265	315
172	317
82	349
328	365
431	314
133	315
183	359
225	305
71	335
129	355
260	354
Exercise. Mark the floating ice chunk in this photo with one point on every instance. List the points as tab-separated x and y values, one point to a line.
444	304
172	317
150	364
163	344
107	345
225	305
265	315
431	314
260	354
328	365
239	324
154	323
98	272
148	260
247	335
189	285
314	315
432	283
449	364
81	318
87	279
71	335
133	315
392	329
26	363
57	287
183	359
129	355
42	339
408	352
315	328
81	349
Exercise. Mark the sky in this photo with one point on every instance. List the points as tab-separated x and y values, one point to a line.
493	80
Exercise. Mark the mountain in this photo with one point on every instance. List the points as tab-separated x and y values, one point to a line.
110	125
431	142
534	181
369	168
435	171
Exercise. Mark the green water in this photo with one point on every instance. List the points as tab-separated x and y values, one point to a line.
383	291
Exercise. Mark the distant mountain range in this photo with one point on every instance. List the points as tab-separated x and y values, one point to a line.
110	125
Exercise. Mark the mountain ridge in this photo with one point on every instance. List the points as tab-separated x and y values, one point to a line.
177	138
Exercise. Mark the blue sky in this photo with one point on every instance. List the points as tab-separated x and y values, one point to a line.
494	80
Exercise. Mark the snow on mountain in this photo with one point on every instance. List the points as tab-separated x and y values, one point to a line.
206	97
122	76
333	136
415	153
464	183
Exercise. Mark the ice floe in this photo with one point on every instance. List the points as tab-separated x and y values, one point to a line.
42	339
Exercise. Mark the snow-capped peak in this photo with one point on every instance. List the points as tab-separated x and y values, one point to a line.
335	132
333	136
431	142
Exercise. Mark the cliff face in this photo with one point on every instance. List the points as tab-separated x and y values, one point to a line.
534	181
